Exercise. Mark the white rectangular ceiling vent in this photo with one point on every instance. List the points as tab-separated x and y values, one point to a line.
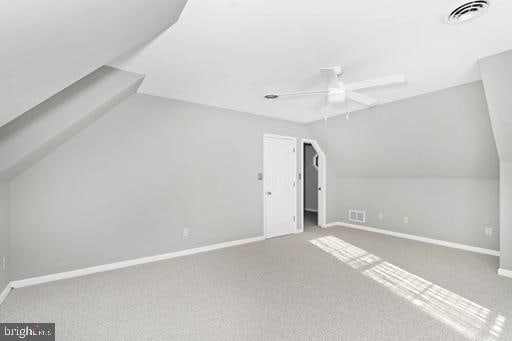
357	216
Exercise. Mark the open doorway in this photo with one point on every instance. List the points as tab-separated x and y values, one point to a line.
310	186
313	168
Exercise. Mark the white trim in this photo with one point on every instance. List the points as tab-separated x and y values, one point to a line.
323	184
294	139
505	272
275	136
418	238
119	265
300	184
310	210
5	292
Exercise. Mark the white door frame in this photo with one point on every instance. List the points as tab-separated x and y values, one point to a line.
322	182
265	181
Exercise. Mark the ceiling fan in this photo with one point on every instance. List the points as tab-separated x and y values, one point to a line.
337	91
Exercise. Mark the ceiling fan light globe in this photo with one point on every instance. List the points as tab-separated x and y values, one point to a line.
336	96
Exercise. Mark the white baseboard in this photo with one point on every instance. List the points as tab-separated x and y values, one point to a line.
418	238
5	292
123	264
311	210
505	272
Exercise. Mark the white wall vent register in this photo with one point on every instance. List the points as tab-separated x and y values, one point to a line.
357	216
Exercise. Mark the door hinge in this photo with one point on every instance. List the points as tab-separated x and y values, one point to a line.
294	149
294	184
293	218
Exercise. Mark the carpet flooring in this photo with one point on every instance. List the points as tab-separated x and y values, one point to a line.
323	284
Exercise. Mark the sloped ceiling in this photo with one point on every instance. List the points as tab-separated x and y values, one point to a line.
47	45
229	53
30	137
441	135
497	78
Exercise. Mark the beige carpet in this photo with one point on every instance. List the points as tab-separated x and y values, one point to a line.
324	284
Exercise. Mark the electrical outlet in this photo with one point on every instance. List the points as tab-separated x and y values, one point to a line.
406	220
488	231
381	216
185	232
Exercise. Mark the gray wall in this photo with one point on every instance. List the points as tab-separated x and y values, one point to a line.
497	78
430	158
126	186
454	210
443	134
506	215
4	233
310	179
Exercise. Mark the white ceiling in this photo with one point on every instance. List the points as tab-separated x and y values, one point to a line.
229	53
47	45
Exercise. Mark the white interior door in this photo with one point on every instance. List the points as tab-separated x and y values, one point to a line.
280	185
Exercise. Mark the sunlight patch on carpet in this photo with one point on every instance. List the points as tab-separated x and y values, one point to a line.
468	318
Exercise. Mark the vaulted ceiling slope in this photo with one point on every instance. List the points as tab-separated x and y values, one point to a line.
33	135
446	134
47	45
229	53
497	78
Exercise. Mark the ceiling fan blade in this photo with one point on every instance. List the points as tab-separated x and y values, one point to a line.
370	83
331	77
300	93
363	99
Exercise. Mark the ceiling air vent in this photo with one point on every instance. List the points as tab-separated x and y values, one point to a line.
466	10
